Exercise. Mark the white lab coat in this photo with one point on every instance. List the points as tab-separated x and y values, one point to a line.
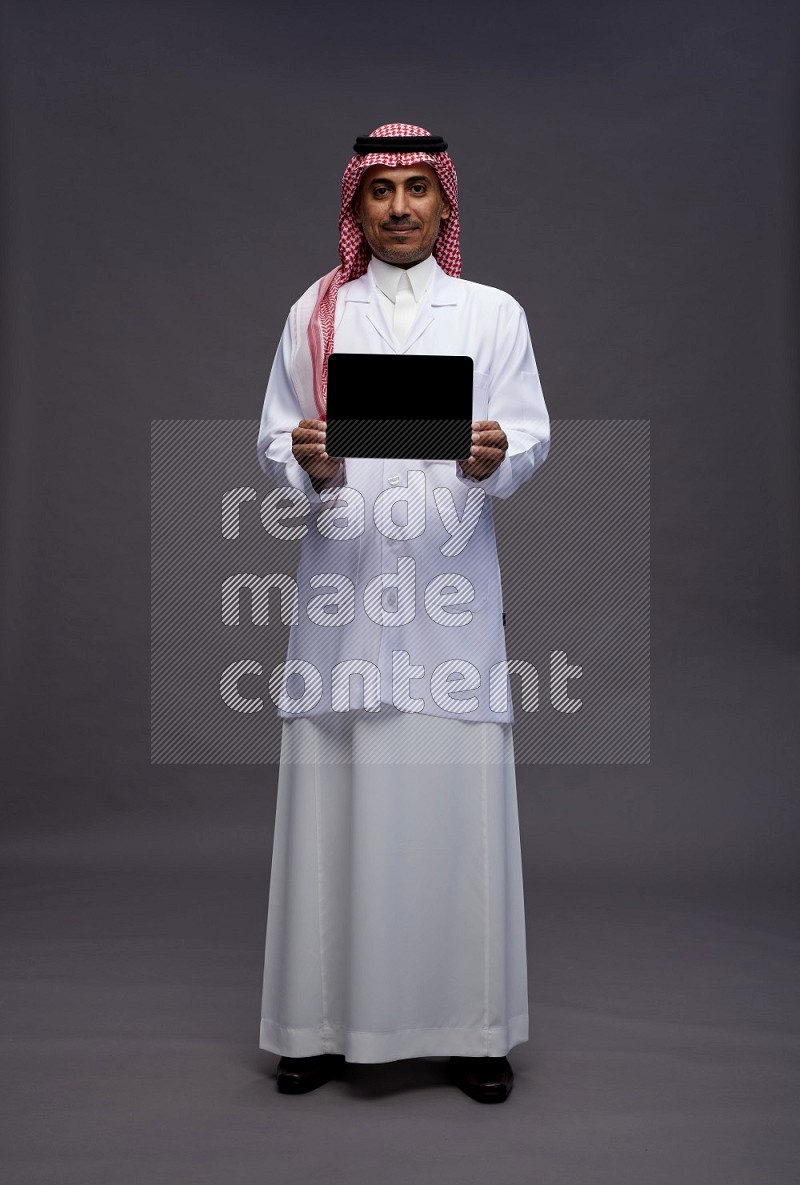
396	924
429	637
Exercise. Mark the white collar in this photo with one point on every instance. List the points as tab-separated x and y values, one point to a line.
387	277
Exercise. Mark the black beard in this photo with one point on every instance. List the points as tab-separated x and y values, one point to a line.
400	258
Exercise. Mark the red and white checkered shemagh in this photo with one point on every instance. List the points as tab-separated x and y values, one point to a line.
354	251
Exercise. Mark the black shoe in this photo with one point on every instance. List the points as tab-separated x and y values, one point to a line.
298	1075
486	1079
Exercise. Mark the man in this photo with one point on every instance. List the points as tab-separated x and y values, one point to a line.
396	924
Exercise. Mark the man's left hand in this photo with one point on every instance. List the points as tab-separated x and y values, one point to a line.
489	444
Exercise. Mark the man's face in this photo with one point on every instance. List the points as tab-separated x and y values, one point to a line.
400	210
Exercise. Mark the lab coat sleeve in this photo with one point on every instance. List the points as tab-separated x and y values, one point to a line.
516	402
281	413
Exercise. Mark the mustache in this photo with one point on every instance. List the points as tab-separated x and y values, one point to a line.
394	223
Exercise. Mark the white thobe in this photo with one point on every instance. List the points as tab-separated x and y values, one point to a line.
396	923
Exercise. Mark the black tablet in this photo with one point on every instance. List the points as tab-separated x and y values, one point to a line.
415	406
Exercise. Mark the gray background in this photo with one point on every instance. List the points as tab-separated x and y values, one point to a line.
170	185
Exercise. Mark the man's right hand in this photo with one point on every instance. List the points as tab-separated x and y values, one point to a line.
308	449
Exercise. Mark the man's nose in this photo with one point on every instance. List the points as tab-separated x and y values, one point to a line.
399	207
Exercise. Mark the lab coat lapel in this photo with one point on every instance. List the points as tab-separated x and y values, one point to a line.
442	291
362	292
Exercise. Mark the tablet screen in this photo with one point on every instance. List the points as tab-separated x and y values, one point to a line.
414	406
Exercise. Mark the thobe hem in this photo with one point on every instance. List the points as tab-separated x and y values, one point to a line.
395	1045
